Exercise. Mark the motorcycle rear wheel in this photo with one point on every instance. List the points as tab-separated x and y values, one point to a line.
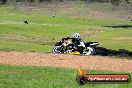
89	51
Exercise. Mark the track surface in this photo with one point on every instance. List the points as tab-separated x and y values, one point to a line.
67	61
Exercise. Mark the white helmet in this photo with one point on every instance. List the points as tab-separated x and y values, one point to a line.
76	36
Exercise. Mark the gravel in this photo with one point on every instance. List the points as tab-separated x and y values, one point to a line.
66	61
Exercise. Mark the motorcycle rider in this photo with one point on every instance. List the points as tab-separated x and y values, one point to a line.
76	41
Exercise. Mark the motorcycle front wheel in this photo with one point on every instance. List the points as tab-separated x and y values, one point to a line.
56	49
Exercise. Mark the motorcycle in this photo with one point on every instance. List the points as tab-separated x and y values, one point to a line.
71	48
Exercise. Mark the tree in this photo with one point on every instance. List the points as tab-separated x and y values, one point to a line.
127	1
4	2
115	2
44	0
31	1
61	0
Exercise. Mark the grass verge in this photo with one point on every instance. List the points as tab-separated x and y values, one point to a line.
47	77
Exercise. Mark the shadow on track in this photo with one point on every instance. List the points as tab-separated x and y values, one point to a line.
109	52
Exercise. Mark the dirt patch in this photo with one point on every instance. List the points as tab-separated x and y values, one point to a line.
90	33
77	9
40	40
67	61
22	38
123	38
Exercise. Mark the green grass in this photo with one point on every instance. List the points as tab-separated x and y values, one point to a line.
28	37
23	46
47	77
40	37
45	30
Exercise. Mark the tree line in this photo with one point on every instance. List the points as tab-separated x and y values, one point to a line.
114	2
